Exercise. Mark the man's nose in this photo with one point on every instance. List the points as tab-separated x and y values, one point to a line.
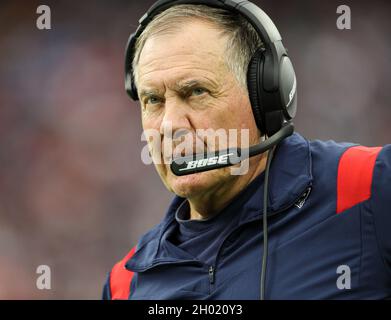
175	117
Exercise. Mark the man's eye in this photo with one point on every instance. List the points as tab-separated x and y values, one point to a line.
152	100
198	91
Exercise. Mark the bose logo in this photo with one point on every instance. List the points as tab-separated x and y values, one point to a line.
223	159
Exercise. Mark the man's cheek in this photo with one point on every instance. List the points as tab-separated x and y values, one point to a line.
155	149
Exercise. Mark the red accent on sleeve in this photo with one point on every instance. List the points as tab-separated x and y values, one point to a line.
121	278
354	179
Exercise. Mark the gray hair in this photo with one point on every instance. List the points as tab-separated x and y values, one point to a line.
242	38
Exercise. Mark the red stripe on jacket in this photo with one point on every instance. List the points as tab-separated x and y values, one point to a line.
121	278
355	171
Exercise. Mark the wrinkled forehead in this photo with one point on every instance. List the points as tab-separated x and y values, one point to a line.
194	44
175	26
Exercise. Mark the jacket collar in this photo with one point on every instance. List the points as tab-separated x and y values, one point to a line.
290	176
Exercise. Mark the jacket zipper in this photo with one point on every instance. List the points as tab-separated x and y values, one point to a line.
162	263
211	275
211	269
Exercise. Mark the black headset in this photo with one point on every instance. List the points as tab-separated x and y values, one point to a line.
271	79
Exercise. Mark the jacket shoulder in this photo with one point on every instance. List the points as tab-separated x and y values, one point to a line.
119	280
345	170
117	286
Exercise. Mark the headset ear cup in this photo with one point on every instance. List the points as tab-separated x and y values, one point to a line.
254	77
130	85
288	88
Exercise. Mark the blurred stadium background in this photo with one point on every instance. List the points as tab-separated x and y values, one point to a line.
74	193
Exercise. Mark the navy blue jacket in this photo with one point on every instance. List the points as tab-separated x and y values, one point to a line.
329	227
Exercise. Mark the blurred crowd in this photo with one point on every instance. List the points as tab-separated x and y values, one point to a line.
74	194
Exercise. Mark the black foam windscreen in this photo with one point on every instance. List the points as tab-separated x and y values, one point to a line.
253	73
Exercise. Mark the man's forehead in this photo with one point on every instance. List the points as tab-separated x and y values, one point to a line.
196	50
170	49
181	70
155	86
196	39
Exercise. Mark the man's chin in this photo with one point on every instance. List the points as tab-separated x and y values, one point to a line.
191	185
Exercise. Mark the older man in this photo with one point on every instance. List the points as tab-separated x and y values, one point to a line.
328	204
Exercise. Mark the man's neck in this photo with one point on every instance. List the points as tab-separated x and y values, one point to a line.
207	205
